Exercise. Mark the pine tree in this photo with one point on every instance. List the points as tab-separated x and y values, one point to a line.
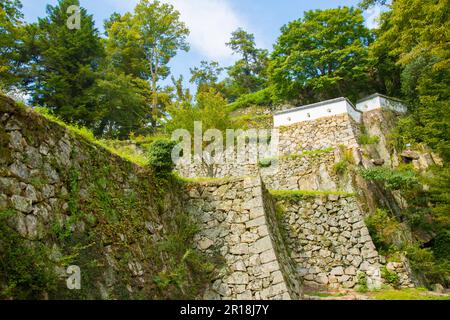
64	64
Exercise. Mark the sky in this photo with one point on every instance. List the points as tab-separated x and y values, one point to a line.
211	22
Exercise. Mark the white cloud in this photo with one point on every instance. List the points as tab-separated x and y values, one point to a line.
210	22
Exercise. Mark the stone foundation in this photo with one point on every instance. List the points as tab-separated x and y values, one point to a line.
330	242
319	134
238	221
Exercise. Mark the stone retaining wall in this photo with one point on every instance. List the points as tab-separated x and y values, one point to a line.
319	134
330	242
308	172
237	220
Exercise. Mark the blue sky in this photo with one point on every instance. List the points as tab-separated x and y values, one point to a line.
211	22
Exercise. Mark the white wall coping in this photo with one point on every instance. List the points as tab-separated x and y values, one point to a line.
379	101
315	111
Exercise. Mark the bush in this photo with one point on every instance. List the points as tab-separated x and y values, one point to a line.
367	139
391	277
424	264
383	228
340	167
266	163
160	156
26	272
362	282
259	98
393	179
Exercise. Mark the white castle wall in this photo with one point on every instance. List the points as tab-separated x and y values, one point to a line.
316	111
379	101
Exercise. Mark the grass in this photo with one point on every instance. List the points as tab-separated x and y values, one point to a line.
201	179
300	194
326	294
407	294
306	153
122	152
365	139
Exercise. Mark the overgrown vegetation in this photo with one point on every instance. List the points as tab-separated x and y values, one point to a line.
407	294
313	154
365	139
26	272
426	216
302	194
390	277
361	284
160	156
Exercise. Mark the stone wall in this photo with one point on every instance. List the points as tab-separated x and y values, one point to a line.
305	172
330	242
238	221
75	203
319	134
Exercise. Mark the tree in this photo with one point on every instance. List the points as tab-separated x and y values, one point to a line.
162	34
210	110
10	34
123	105
323	55
247	74
125	47
206	75
414	33
365	4
63	65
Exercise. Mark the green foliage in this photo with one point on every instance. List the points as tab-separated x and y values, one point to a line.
321	56
206	75
11	28
265	163
408	294
361	282
161	35
424	263
383	228
301	194
248	74
262	97
63	64
160	156
123	152
340	167
25	269
365	139
393	179
412	35
185	270
210	110
391	277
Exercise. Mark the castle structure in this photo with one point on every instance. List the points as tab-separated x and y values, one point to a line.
283	226
326	244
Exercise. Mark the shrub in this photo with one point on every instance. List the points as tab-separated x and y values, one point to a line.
382	229
424	264
265	163
391	277
25	269
362	282
259	98
340	167
367	139
393	179
160	156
